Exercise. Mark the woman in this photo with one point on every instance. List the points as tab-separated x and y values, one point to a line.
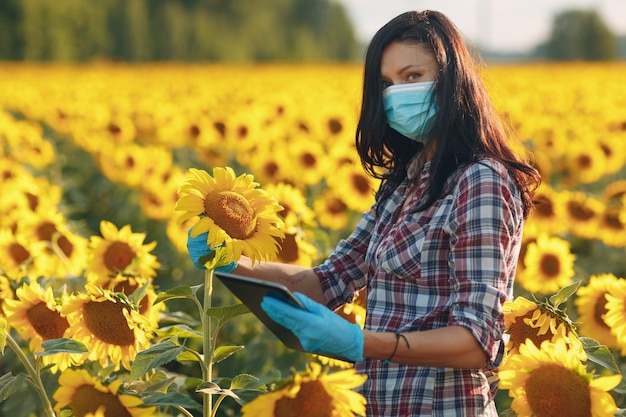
437	252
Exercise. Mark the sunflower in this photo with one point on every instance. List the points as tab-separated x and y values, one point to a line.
615	316
591	305
331	209
297	250
308	164
551	381
85	395
36	316
548	209
612	226
127	285
353	183
614	194
295	213
526	320
354	313
312	393
233	211
585	163
548	265
21	257
120	251
582	214
109	325
67	251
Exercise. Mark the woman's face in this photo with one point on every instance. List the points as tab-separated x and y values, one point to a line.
407	62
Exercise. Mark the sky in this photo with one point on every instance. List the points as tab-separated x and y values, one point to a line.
496	25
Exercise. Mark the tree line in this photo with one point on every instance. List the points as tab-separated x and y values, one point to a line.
233	31
186	30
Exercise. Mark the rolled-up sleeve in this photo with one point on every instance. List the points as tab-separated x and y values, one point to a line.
485	226
343	274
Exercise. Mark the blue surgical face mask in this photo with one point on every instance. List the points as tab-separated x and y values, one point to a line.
410	108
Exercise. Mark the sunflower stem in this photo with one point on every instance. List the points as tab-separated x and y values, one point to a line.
207	340
34	375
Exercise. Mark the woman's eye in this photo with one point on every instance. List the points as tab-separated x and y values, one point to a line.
413	77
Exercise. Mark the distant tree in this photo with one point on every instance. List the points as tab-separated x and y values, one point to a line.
182	30
580	35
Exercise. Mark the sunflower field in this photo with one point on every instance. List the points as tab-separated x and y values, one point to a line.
98	294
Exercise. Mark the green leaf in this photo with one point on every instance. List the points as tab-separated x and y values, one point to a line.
179	317
3	334
182	291
62	345
180	330
187	356
223	352
599	354
246	381
155	356
173	399
10	384
563	294
139	293
222	314
508	413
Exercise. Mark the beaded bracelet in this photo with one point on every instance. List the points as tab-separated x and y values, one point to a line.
398	336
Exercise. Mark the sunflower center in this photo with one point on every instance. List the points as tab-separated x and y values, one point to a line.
87	399
520	332
232	212
544	208
118	256
47	323
600	310
550	265
361	184
107	322
18	253
579	211
555	391
311	401
288	249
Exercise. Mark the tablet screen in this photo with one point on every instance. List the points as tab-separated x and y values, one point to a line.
251	292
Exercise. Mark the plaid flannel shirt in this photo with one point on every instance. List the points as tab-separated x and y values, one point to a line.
452	264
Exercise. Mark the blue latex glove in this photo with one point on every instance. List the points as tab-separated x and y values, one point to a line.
199	248
319	330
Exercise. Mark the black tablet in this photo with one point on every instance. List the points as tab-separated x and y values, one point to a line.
251	292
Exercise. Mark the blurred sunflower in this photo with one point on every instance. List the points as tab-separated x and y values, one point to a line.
125	164
354	313
21	257
615	316
614	194
582	214
109	325
312	393
613	149
36	316
85	395
307	161
233	211
548	265
120	251
526	320
585	163
353	183
612	226
331	210
296	250
548	209
551	381
270	166
591	305
295	213
67	251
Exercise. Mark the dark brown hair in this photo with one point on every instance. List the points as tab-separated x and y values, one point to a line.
466	127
